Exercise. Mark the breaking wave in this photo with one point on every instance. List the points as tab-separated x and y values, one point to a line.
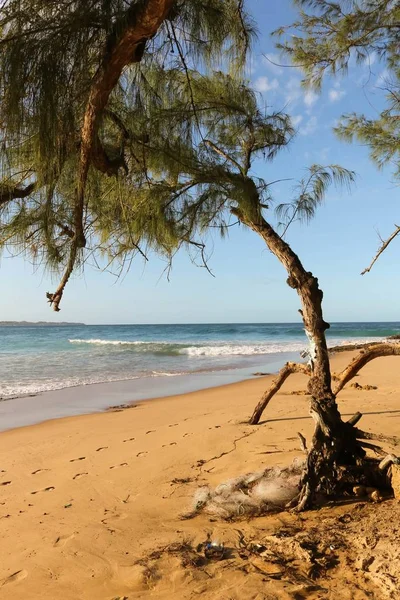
193	350
217	349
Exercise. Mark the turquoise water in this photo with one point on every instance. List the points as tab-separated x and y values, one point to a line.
37	359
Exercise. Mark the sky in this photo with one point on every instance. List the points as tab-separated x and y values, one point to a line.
249	283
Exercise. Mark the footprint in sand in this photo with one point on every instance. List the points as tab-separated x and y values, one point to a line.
5	483
186	434
39	471
79	458
139	454
171	444
79	475
17	576
174	424
129	440
150	431
117	466
47	489
101	448
62	540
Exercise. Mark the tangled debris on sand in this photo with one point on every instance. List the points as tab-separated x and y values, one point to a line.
252	494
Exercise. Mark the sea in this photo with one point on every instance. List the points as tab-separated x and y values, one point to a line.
40	359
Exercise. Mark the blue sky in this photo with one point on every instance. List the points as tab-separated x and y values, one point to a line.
249	284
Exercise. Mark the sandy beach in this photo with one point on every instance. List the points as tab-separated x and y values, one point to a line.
90	505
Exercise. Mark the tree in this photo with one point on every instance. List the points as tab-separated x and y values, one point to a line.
198	175
171	158
64	67
324	40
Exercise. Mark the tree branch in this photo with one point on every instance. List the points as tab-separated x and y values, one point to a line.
362	359
381	249
7	194
223	154
276	385
125	45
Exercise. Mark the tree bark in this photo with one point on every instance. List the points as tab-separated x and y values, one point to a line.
12	193
306	286
277	383
334	442
125	46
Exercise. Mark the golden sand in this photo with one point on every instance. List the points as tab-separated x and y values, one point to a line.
86	501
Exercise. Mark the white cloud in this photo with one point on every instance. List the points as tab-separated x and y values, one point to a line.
371	58
323	154
310	127
336	95
293	90
272	62
263	84
382	78
310	98
296	120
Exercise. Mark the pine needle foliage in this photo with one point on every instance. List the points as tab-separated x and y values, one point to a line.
327	36
51	53
174	145
192	144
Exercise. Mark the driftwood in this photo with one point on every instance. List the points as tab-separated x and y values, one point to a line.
362	359
277	383
358	362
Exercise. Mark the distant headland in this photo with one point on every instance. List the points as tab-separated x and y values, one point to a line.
37	324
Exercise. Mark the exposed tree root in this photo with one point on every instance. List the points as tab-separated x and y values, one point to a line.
358	362
277	383
337	464
362	359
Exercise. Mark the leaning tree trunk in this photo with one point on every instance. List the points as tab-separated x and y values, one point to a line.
334	442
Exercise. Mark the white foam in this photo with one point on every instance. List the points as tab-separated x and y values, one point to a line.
220	348
110	342
244	350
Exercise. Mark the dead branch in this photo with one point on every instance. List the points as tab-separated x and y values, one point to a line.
303	442
389	459
355	418
377	449
8	193
381	249
362	359
392	440
277	383
366	355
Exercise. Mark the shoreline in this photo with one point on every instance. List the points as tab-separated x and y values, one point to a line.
23	411
84	399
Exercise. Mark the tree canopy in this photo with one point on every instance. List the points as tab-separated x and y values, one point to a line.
327	36
325	39
67	77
